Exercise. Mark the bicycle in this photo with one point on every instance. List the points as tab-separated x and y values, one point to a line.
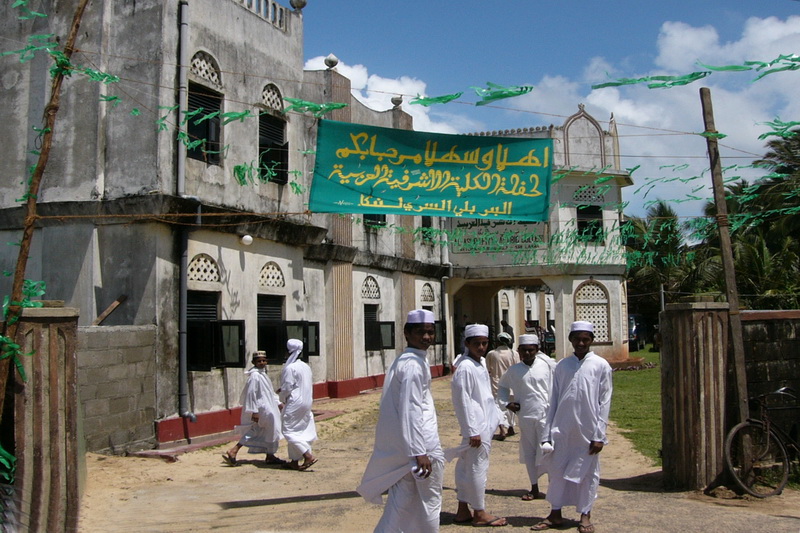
758	452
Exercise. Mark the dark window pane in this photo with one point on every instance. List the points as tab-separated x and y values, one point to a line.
272	339
387	335
200	128
273	150
441	331
590	223
230	342
374	221
199	345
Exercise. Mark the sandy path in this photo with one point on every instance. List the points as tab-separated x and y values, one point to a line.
199	493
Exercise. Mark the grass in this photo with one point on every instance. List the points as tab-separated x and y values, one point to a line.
636	405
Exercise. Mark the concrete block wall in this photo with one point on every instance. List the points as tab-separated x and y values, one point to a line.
116	387
772	359
772	350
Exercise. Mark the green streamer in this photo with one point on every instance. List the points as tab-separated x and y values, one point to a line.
495	92
315	109
429	101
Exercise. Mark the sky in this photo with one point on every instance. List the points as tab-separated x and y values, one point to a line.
439	47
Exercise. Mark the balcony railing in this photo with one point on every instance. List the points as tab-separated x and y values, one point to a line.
271	11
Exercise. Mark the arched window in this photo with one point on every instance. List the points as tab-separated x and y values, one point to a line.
427	294
271	276
370	289
591	305
203	268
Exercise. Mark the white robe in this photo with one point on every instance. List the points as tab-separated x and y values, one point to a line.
297	392
477	414
498	361
578	414
407	427
531	386
259	398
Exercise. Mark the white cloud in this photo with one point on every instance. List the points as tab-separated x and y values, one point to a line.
376	92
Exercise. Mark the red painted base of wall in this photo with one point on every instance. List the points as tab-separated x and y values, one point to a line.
177	429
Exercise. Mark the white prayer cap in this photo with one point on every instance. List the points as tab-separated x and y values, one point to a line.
260	353
582	326
528	339
476	330
295	347
505	337
420	316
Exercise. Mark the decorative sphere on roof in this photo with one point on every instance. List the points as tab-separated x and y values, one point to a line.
331	61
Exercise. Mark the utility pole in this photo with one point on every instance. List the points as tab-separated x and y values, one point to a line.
735	319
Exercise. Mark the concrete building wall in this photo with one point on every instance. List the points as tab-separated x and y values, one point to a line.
116	386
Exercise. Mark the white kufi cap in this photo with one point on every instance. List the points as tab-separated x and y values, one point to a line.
476	330
581	326
528	339
420	316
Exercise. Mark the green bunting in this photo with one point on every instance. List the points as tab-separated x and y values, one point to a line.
429	101
317	110
495	92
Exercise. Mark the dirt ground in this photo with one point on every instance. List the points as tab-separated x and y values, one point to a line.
199	493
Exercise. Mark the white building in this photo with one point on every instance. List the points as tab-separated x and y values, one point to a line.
223	269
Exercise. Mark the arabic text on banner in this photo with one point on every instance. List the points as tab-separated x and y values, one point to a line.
372	170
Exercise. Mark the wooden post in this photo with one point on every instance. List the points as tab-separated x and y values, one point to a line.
727	254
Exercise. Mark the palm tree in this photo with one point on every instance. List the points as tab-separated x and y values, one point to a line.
657	254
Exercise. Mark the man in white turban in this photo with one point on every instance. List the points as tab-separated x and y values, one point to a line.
498	361
261	417
296	393
531	381
407	458
478	416
576	427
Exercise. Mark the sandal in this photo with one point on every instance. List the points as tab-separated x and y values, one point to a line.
230	461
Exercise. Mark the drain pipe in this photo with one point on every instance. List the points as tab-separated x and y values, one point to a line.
183	290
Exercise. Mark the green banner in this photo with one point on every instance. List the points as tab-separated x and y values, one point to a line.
371	170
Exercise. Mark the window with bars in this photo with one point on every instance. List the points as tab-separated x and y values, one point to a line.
590	224
273	149
377	335
204	125
210	342
426	229
374	221
274	331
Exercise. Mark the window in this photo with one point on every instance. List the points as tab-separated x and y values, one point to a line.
273	331
426	229
374	221
377	335
590	224
211	342
441	331
592	305
273	150
204	124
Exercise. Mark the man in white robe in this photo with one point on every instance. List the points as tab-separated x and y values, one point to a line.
576	426
531	381
407	458
261	417
497	362
478	417
296	393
